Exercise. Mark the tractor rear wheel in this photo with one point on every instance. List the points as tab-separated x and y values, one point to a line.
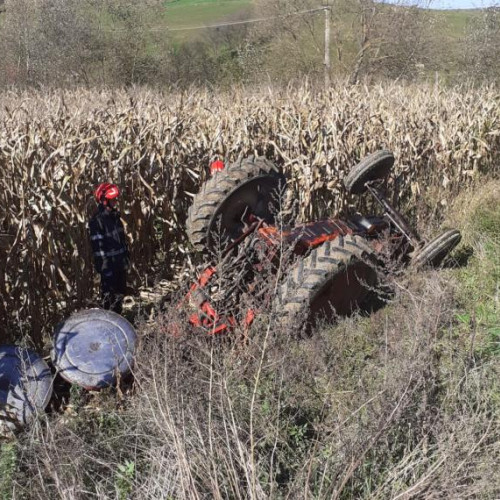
248	186
332	280
432	254
373	167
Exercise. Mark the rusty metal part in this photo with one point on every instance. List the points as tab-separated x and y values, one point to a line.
247	232
394	216
306	236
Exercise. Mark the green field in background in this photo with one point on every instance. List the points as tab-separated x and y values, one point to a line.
186	13
189	13
176	14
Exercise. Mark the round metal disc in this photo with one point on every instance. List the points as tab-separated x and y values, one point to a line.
93	347
25	386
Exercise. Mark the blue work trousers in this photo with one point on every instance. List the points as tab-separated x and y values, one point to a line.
113	289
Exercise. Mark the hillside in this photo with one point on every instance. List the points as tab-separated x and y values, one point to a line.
190	13
184	13
168	44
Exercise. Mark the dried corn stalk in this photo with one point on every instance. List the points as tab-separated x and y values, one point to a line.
54	148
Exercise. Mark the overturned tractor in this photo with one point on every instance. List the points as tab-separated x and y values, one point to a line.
332	265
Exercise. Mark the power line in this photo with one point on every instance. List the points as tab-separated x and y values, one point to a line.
233	23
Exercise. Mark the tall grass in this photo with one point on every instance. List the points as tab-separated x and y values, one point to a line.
56	146
403	404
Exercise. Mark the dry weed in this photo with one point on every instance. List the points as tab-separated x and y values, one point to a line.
56	146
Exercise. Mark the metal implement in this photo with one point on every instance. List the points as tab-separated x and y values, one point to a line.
395	217
25	386
251	198
256	242
93	348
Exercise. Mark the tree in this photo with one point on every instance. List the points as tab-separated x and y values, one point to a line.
482	48
369	38
126	41
45	41
392	39
292	37
66	42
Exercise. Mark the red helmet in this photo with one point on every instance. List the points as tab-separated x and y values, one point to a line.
216	166
106	191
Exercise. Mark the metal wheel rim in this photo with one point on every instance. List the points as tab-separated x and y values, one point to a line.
257	196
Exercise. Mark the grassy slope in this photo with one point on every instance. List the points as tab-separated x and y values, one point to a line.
453	22
450	26
181	13
192	13
186	13
480	280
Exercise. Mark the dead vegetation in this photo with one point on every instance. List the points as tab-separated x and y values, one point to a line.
400	404
55	147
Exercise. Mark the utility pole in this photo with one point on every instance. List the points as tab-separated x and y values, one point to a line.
327	45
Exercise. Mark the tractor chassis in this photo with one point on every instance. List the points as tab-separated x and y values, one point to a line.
269	240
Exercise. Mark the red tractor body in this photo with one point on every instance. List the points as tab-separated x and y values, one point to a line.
240	203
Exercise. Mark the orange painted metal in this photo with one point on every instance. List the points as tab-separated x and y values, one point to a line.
216	166
306	236
303	237
206	316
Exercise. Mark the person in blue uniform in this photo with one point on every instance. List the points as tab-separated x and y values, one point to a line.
109	247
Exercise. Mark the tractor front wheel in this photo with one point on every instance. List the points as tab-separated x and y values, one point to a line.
432	254
374	167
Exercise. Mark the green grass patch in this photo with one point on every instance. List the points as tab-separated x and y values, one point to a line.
215	3
188	13
8	463
480	279
454	23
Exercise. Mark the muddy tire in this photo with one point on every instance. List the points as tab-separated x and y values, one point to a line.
375	166
432	254
250	184
332	280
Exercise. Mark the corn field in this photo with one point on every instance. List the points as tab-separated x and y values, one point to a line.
55	147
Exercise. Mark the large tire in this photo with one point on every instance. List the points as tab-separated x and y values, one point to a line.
248	184
432	254
332	280
375	166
